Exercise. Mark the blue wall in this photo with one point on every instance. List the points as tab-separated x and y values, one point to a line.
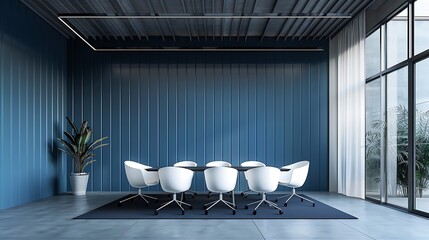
33	77
159	108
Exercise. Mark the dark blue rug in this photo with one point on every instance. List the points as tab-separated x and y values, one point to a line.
137	209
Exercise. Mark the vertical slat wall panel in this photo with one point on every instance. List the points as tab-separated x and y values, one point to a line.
33	78
167	107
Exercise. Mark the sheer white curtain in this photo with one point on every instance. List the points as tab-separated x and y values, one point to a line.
351	108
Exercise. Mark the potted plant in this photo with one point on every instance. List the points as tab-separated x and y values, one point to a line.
81	152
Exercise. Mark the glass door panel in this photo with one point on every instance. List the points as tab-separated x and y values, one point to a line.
397	137
422	136
373	139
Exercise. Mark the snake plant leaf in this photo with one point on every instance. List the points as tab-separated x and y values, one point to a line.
71	147
100	146
83	127
72	125
87	135
66	151
87	163
70	137
95	142
77	147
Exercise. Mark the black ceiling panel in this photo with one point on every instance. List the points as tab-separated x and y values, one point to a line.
198	20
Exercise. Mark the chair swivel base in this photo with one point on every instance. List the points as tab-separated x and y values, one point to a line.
174	200
296	195
143	196
263	200
209	205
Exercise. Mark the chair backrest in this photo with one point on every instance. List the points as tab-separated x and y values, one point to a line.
297	174
220	179
263	179
218	164
134	172
175	179
251	163
185	164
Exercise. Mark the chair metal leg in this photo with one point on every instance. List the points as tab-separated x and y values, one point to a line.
264	200
147	202
210	203
132	197
253	203
179	203
164	205
306	199
154	198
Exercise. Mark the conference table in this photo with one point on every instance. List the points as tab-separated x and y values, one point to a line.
202	168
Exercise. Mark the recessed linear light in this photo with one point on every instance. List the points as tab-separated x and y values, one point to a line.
204	16
62	19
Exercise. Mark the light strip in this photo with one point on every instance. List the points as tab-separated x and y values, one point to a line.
204	16
83	39
209	50
189	49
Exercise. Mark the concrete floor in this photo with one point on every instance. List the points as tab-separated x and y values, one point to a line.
52	219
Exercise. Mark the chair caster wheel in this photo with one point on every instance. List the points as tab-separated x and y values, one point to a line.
285	204
206	212
314	204
183	212
242	194
280	212
302	200
246	207
156	212
119	204
254	212
190	207
233	212
276	200
147	204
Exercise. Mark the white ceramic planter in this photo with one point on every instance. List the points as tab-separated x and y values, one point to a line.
79	182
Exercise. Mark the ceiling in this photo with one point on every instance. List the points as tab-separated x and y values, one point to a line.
153	24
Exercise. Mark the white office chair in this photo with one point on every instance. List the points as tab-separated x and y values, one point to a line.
218	164
263	180
139	178
187	164
294	178
250	164
220	180
175	180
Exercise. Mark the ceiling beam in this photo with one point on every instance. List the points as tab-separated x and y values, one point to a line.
294	21
197	29
164	9
313	21
241	20
205	22
187	22
344	8
360	8
319	25
268	21
250	20
302	21
232	20
286	21
152	10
